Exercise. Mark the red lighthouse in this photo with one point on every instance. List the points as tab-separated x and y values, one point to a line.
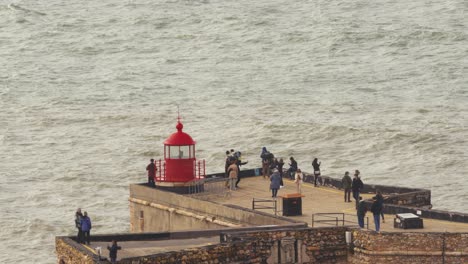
180	167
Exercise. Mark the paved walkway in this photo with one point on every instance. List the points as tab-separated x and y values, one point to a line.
325	200
317	200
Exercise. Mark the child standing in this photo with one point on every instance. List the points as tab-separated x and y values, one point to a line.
113	251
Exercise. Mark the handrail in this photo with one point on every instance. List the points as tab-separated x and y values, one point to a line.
334	219
260	200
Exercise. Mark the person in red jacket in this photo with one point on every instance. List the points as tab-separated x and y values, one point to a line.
151	168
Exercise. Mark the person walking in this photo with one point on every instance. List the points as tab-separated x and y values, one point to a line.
376	210
151	168
233	172
299	180
292	168
113	251
86	228
346	183
361	212
275	182
380	199
356	187
78	217
316	166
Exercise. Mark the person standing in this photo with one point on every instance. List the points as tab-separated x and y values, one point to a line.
280	167
292	168
266	162
227	162
78	217
151	168
346	183
86	228
113	251
380	199
316	166
238	158
356	187
376	210
361	212
233	172
275	183
298	180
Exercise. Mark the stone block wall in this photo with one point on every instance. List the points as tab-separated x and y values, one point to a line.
154	210
372	247
72	253
303	245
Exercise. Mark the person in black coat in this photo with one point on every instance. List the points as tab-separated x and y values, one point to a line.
316	166
113	251
356	187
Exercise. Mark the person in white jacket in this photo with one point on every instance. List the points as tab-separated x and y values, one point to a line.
298	179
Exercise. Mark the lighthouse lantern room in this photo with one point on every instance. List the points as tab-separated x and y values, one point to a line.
180	163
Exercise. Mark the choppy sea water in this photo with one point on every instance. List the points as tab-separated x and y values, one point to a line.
89	91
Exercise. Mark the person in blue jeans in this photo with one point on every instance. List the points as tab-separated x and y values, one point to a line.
376	209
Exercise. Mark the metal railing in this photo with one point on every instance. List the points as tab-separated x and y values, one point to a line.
208	188
259	204
337	219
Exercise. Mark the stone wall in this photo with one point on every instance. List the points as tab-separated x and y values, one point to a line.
372	247
73	253
154	210
303	245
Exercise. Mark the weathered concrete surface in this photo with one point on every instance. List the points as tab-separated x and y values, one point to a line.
325	200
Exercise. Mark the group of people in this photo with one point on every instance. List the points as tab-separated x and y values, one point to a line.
272	168
355	186
232	168
83	224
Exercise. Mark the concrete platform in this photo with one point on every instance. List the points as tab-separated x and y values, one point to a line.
325	200
316	200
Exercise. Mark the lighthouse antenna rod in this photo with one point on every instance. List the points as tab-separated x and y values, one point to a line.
178	114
